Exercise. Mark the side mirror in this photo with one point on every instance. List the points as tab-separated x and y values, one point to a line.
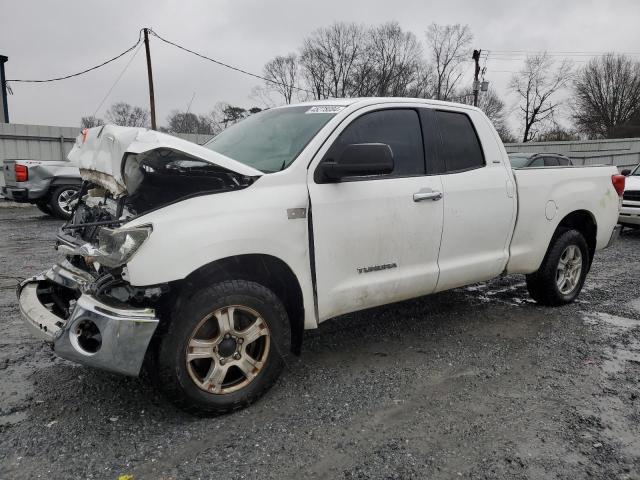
626	172
357	160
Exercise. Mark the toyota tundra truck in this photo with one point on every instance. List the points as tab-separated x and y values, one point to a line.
203	265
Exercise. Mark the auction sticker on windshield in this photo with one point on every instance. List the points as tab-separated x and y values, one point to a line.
326	109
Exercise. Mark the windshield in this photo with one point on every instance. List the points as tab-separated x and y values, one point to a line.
271	140
518	161
636	171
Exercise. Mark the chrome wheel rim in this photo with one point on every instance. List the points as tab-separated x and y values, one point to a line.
64	200
569	269
227	349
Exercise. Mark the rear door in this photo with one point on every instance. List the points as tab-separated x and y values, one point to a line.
479	201
374	242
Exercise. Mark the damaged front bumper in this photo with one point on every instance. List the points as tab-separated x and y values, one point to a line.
95	333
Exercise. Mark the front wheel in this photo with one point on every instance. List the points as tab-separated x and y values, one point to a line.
561	276
224	347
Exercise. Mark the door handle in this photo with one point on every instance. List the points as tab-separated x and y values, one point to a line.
422	195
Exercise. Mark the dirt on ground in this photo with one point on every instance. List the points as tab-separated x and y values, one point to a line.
479	382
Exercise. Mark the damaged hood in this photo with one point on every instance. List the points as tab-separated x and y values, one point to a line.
99	153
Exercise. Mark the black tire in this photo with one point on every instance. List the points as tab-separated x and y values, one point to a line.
543	284
171	371
56	201
44	207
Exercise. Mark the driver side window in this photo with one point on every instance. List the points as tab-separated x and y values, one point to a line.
398	128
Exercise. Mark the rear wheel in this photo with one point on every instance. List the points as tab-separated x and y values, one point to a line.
224	347
560	277
61	201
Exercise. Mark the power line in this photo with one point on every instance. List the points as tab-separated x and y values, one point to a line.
118	79
560	52
79	73
255	75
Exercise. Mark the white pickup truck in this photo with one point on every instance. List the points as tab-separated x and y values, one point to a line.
204	264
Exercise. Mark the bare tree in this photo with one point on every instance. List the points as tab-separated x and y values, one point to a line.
186	122
90	121
390	63
127	115
282	73
557	133
536	86
425	82
449	47
493	107
606	95
630	129
262	95
224	115
329	57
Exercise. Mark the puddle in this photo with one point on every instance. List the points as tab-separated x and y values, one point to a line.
483	293
635	304
619	354
12	418
600	318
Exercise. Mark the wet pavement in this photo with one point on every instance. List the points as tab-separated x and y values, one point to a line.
479	382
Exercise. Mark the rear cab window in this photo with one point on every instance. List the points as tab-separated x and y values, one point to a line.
460	147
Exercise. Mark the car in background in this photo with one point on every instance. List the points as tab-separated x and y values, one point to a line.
49	185
630	211
532	160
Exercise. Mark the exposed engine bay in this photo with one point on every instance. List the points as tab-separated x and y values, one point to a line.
96	240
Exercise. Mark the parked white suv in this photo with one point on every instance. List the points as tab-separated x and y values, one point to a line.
207	263
630	211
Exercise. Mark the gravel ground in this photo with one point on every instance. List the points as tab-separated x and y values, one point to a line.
479	382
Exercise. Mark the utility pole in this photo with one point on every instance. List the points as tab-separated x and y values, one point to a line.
152	101
476	82
4	108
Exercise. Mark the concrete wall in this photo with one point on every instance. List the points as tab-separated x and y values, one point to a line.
47	142
623	152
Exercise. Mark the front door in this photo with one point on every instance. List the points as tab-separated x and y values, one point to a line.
376	239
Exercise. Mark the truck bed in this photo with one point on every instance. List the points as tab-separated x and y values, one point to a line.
546	196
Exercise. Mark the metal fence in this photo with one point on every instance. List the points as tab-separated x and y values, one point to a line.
623	152
47	142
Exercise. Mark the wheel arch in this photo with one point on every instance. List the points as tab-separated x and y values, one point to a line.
267	270
584	222
70	181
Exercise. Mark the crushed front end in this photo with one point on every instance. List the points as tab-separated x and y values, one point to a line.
85	305
59	307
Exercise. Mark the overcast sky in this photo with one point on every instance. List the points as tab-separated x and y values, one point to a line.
46	39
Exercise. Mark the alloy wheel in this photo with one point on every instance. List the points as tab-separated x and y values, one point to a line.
64	200
228	349
569	269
